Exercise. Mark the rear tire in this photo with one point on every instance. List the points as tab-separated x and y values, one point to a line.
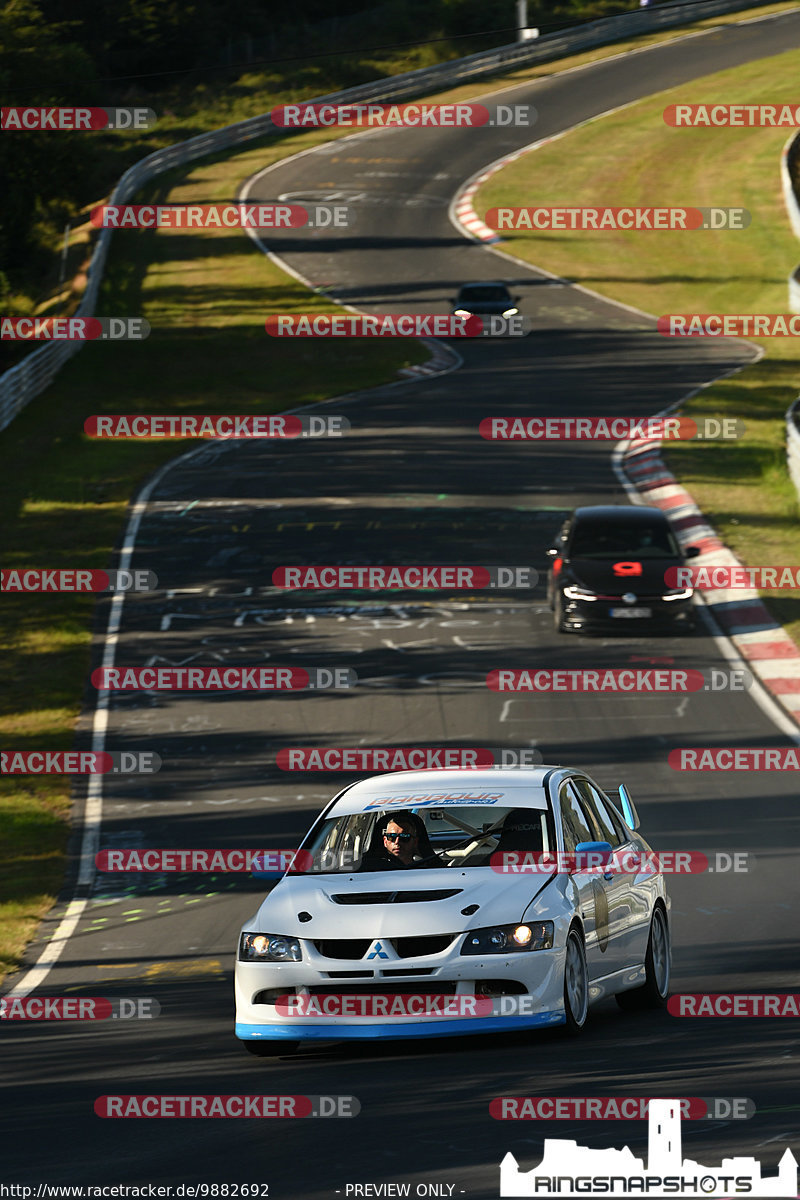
576	984
654	991
270	1048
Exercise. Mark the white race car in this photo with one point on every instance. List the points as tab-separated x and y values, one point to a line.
433	903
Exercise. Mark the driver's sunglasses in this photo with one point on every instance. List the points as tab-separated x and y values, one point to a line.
397	837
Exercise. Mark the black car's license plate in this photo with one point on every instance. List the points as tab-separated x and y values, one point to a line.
630	612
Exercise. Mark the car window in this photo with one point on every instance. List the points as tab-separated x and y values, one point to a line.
606	539
574	820
607	828
483	292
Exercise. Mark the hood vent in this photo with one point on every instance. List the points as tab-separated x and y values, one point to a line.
418	897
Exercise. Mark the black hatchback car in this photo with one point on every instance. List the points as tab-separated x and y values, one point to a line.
607	571
485	299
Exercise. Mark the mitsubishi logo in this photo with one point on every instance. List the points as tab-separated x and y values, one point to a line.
377	951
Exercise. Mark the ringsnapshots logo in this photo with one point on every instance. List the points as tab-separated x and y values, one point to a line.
201	1107
63	579
610	429
378	115
78	1008
637	219
570	1170
404	578
619	680
76	119
79	762
224	428
223	679
220	216
74	329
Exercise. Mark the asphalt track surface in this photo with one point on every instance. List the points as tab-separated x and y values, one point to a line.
412	482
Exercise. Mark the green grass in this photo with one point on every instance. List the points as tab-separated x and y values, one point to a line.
633	158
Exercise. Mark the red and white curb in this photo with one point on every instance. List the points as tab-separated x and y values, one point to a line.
442	359
740	613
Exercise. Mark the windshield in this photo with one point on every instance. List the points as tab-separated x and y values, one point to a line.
636	540
458	836
484	292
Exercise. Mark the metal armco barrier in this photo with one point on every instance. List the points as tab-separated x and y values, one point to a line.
22	383
793	443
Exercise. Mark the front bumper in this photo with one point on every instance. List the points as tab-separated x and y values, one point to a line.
533	984
596	614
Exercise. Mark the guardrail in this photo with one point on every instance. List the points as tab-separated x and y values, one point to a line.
791	152
20	384
790	156
793	443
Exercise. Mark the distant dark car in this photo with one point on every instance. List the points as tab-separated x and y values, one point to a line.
607	571
485	299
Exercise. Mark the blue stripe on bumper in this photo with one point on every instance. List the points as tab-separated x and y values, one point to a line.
455	1028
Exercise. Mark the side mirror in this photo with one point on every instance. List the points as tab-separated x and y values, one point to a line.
628	808
592	854
692	552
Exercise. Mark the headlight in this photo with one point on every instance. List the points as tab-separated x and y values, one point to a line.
679	594
269	947
579	593
462	312
509	939
510	312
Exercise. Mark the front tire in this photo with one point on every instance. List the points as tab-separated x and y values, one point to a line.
576	984
270	1048
654	991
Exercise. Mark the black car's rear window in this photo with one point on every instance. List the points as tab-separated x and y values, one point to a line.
598	539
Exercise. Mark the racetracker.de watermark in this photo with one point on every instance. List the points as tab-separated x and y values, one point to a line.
76	119
616	1108
734	1004
729	325
735	758
224	861
621	862
610	429
600	219
152	427
78	1008
738	576
201	1107
223	679
79	762
361	325
749	116
74	329
395	758
620	680
401	116
62	579
403	578
220	216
